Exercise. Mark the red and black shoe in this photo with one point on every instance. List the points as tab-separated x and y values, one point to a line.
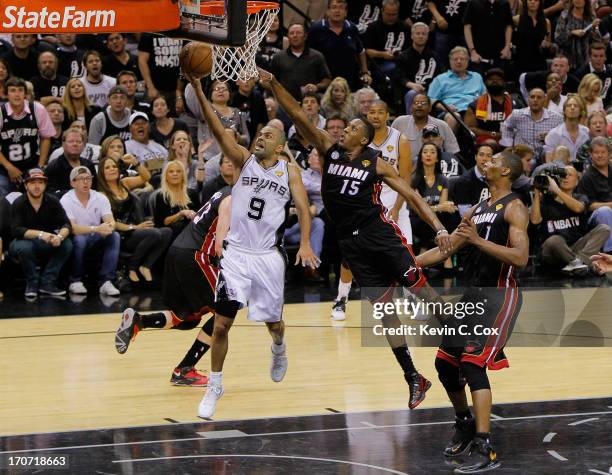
463	437
188	376
481	458
130	325
418	387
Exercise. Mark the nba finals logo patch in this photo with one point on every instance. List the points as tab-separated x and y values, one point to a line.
390	148
366	163
335	155
279	173
439	187
498	207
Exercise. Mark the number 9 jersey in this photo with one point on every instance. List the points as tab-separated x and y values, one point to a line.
260	201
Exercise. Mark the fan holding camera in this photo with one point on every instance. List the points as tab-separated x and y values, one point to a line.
562	213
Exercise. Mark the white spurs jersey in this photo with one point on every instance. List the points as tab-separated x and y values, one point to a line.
259	204
390	152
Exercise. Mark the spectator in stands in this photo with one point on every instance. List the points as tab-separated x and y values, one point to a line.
560	158
271	107
70	56
386	38
91	152
5	73
311	107
338	39
429	181
554	98
571	133
597	65
450	165
457	88
559	65
93	228
449	27
416	66
335	126
364	98
485	115
590	91
180	148
25	136
273	43
22	58
526	154
596	184
119	59
163	127
40	229
471	187
249	100
563	215
134	175
598	127
48	83
530	125
300	69
128	81
139	237
223	179
174	205
97	85
77	105
571	34
56	114
311	177
412	125
533	37
312	9
488	32
141	145
158	61
211	167
114	118
59	170
338	99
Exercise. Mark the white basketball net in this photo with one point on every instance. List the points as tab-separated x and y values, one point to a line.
231	63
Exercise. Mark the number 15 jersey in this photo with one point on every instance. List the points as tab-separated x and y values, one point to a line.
259	205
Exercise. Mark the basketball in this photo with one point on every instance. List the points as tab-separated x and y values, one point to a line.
196	59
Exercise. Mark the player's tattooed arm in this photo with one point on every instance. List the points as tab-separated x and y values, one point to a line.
320	139
392	178
517	253
223	223
305	255
236	153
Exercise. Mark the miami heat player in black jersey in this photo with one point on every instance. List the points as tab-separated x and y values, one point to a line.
190	278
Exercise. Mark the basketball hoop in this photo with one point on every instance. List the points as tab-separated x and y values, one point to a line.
231	63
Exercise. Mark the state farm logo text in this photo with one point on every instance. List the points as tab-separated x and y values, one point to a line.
69	17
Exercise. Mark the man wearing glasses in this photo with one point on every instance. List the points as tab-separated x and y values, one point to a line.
93	228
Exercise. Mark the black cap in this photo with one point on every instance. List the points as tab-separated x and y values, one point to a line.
117	90
495	72
430	129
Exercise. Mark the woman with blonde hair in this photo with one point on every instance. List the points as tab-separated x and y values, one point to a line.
181	148
338	100
590	91
76	104
133	173
138	236
175	206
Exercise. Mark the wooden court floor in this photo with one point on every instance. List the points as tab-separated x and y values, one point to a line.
63	373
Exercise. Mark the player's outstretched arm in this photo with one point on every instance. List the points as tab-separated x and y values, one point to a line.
305	255
391	178
223	223
320	139
436	256
517	253
236	153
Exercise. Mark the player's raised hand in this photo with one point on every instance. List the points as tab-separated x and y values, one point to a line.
265	78
467	230
306	257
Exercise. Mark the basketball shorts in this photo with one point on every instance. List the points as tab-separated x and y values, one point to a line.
255	279
189	282
486	334
380	258
388	197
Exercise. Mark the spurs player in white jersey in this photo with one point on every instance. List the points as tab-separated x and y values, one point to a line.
395	149
252	266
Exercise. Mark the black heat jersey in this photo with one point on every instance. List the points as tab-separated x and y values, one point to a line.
482	269
199	235
350	189
19	140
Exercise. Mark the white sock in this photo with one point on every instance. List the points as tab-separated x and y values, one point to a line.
216	378
343	290
279	349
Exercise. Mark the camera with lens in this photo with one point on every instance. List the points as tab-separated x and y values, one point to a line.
540	181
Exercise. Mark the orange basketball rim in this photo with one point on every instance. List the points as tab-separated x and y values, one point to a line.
87	16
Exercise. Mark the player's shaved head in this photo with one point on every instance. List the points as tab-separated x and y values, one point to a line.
280	136
513	162
380	103
369	130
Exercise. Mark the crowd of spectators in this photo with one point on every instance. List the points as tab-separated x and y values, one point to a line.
104	156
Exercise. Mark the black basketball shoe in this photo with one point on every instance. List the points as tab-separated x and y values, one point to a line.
482	458
465	430
418	387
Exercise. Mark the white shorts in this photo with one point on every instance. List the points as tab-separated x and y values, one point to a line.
254	279
388	197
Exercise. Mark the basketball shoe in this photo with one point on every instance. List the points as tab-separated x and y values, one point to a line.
278	366
339	309
482	458
463	437
418	386
208	404
188	376
130	325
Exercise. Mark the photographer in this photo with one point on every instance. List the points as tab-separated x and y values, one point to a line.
563	213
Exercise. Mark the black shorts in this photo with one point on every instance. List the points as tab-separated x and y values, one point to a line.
189	282
481	346
380	258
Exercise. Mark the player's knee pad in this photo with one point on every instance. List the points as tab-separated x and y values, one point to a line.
209	325
475	376
227	308
449	375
